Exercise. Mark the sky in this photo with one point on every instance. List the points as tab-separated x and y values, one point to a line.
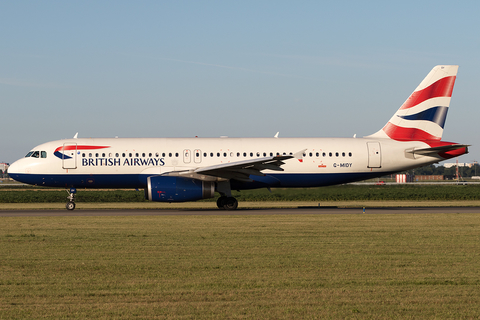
228	68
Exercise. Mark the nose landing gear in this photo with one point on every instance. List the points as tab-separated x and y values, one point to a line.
71	199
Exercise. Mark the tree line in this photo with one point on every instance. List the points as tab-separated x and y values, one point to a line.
465	172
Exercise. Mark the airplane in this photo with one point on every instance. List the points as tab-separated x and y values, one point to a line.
190	169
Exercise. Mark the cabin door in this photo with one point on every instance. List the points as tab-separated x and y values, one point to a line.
69	156
374	155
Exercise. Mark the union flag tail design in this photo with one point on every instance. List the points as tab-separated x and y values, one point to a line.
422	116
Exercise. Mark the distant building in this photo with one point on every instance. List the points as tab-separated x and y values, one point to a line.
3	167
404	178
454	164
429	177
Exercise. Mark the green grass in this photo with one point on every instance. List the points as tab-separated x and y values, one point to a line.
278	267
333	193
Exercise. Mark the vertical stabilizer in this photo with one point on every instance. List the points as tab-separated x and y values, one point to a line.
422	116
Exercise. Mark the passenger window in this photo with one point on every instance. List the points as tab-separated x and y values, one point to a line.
123	155
251	154
176	154
170	154
211	154
83	155
310	154
258	154
318	154
264	154
349	154
343	154
205	154
225	154
163	154
90	155
238	154
324	154
103	155
329	154
43	154
117	155
336	154
136	154
244	154
271	154
143	155
218	154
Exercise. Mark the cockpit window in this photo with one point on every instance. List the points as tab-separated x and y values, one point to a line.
36	154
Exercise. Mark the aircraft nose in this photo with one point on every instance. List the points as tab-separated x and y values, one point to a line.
13	168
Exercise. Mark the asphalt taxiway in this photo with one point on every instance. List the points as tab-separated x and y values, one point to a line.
206	212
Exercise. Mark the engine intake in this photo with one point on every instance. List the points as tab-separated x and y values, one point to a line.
177	189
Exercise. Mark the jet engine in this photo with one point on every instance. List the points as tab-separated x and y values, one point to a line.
178	189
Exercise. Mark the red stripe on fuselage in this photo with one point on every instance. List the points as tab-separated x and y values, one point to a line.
74	147
441	88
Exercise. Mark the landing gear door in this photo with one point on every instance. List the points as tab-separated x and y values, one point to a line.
374	155
69	158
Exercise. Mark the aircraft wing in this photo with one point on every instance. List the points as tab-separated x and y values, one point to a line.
238	170
241	170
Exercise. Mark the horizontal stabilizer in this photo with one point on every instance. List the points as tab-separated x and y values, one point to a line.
446	151
436	150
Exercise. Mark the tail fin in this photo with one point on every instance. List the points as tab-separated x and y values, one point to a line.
422	116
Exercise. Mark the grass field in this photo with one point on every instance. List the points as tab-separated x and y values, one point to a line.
410	192
278	267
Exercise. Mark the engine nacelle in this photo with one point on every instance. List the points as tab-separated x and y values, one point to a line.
178	189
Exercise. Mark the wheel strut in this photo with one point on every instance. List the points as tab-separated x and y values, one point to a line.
71	199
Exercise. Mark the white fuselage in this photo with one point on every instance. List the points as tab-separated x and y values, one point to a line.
127	162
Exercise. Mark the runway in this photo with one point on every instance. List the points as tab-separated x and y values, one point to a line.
207	212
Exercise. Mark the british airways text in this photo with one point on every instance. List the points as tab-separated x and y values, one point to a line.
111	162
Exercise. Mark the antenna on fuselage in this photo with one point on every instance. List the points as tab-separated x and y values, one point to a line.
276	135
75	136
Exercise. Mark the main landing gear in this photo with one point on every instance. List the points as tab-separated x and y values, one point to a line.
71	199
227	203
